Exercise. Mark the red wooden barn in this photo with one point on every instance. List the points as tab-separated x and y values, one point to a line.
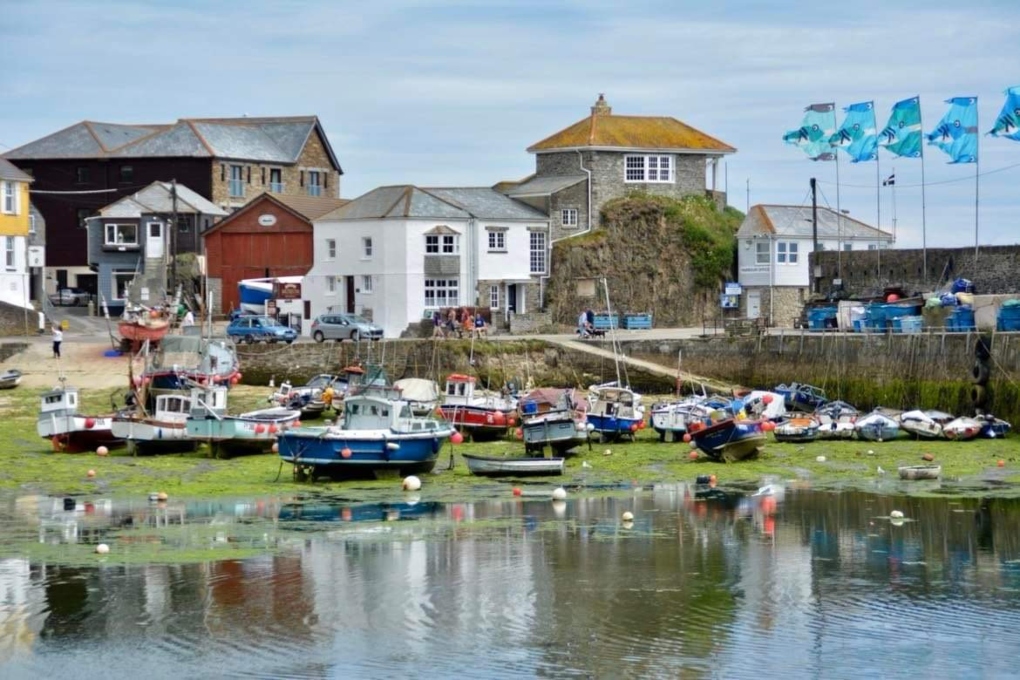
270	236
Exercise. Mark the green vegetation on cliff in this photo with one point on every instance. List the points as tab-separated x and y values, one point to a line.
659	255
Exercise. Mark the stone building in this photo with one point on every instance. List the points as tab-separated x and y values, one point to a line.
605	156
228	161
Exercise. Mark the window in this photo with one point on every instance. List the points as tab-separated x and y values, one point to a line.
9	253
441	293
848	246
127	174
451	244
31	224
121	235
761	252
494	297
648	169
786	252
366	283
82	174
314	183
432	244
568	217
10	198
445	244
366	248
121	281
331	249
276	180
497	241
330	285
538	252
237	181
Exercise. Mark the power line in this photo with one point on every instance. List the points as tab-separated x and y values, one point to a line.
968	178
71	193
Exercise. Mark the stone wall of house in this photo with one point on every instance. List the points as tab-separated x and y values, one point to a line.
14	322
575	197
867	271
214	287
530	322
780	305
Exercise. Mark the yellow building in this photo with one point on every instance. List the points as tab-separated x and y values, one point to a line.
15	226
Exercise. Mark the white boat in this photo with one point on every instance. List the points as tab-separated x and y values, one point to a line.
553	417
163	431
911	472
251	432
254	293
420	393
10	379
483	415
962	429
495	466
924	424
836	420
68	430
796	430
674	418
615	412
877	427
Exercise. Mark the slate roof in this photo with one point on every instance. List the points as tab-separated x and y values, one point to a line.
268	140
544	186
407	201
795	221
311	207
158	198
603	130
9	171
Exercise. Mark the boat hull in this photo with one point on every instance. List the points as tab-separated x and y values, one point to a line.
479	422
147	436
962	429
614	426
10	379
233	435
730	440
912	472
561	433
796	431
76	434
139	332
316	451
488	466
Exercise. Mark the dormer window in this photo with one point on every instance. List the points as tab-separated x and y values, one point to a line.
442	244
650	169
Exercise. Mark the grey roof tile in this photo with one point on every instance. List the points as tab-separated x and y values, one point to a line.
10	171
176	141
488	204
792	220
158	198
543	186
112	135
397	201
248	142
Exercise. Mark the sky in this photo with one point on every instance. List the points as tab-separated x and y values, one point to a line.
451	93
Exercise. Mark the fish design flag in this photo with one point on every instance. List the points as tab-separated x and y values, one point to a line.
858	136
1008	123
902	134
956	133
814	132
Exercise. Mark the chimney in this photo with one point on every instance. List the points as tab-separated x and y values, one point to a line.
601	108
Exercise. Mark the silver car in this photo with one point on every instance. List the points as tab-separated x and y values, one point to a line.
344	327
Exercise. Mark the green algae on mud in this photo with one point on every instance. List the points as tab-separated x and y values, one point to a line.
31	467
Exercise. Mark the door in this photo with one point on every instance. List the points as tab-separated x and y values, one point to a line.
349	287
154	240
511	298
753	304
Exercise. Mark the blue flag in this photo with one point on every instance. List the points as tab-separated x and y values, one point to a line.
858	136
902	134
814	132
956	133
1008	123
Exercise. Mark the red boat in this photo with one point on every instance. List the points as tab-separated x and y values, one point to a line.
481	416
140	329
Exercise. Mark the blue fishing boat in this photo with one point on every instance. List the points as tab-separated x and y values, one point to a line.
615	412
377	433
728	440
800	397
993	428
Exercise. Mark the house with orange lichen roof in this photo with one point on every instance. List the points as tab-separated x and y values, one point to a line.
605	156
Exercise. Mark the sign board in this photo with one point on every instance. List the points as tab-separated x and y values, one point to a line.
286	291
729	301
270	307
37	256
732	288
267	220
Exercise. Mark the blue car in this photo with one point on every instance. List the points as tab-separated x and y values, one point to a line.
251	329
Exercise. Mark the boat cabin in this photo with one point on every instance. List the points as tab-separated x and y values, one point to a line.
61	401
374	411
459	388
208	401
615	401
172	407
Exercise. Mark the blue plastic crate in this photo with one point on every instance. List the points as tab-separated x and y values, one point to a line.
908	324
637	321
961	320
1008	319
604	322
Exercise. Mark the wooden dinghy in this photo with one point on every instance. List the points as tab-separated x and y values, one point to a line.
495	466
920	471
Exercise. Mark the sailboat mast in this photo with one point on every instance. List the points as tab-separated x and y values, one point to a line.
612	331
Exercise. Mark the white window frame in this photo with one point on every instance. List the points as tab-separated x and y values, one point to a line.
10	198
497	241
442	293
314	183
10	259
761	252
537	248
331	249
235	185
494	297
116	227
115	276
366	283
330	285
648	169
449	244
431	244
276	187
366	248
568	217
787	252
31	224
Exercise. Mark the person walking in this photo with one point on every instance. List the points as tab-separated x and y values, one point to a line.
582	325
189	319
58	337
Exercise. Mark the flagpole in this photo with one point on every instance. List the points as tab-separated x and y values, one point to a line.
924	224
893	175
839	221
977	175
878	198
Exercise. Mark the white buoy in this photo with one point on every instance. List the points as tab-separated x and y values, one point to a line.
871	452
820	459
411	483
102	549
559	493
102	451
276	447
628	516
896	514
607	452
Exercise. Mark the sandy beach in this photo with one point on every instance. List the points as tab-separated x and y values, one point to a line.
82	362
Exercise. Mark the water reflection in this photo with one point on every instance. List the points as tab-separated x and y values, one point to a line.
703	581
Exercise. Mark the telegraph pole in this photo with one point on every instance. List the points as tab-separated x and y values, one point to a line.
173	236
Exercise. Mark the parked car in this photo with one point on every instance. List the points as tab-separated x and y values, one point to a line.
252	329
70	297
344	327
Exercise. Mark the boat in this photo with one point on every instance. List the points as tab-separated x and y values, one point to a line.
307	398
763	404
555	418
796	430
616	411
180	361
801	397
10	379
673	418
876	427
496	466
226	435
836	420
920	471
483	416
962	429
376	434
139	327
420	393
924	424
68	430
162	431
729	439
255	293
993	428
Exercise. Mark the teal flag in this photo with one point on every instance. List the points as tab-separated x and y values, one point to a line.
902	134
858	136
814	132
956	133
1008	123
